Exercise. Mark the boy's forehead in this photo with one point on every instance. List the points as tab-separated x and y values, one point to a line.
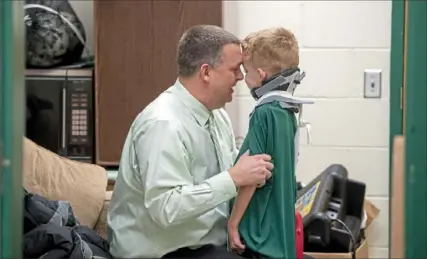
246	61
244	64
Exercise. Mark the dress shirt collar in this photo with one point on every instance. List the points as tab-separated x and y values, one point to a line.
197	109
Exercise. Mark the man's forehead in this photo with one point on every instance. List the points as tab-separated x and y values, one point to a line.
232	53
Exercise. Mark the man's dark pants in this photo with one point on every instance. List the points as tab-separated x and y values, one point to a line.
212	252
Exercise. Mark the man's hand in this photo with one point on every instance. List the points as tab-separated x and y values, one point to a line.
234	239
251	170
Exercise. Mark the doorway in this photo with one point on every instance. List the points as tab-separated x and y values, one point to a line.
12	128
408	116
1	123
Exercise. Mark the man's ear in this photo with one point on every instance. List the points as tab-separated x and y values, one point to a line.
205	72
262	74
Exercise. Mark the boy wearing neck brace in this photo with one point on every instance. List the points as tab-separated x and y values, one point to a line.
262	221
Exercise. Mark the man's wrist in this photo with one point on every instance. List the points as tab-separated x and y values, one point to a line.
231	172
222	183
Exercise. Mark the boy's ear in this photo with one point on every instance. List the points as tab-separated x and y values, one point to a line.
262	74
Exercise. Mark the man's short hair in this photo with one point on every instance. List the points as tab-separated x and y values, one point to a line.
202	44
272	50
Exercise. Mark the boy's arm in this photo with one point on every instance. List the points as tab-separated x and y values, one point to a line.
256	141
240	205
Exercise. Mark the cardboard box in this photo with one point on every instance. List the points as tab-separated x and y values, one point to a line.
363	250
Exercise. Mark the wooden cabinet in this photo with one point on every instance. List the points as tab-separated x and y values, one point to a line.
135	46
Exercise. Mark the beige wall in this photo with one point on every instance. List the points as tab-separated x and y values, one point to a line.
338	40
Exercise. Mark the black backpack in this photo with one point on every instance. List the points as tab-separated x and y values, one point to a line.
55	35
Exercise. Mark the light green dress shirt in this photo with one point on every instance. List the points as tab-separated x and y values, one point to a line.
171	190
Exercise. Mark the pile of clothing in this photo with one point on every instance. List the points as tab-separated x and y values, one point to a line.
51	230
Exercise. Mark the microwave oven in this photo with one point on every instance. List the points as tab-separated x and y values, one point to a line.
60	111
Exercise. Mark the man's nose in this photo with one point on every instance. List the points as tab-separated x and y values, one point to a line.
239	76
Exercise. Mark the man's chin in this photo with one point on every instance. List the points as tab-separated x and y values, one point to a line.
230	98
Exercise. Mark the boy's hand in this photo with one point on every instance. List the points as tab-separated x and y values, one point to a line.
234	239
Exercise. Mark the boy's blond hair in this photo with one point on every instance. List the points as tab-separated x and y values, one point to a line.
272	50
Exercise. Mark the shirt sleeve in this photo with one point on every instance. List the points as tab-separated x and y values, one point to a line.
256	139
171	196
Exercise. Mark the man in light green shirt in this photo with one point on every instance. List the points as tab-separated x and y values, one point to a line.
176	172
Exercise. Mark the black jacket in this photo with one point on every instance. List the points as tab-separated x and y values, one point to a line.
51	231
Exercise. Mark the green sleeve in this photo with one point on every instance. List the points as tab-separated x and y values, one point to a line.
255	140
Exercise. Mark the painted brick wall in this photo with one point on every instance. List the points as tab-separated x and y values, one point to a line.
338	40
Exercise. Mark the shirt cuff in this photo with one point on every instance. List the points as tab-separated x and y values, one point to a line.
222	183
